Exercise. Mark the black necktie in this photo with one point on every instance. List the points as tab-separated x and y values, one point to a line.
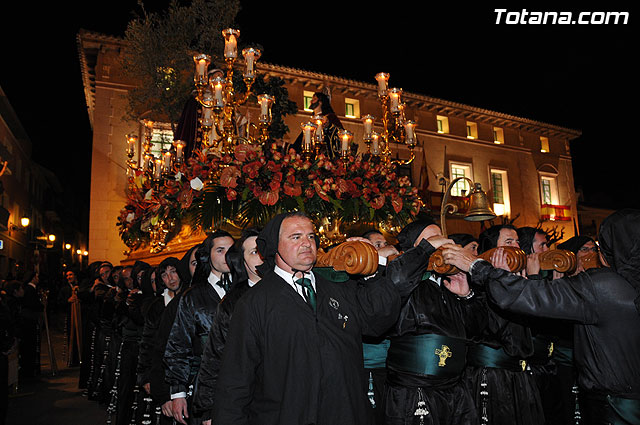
224	282
310	294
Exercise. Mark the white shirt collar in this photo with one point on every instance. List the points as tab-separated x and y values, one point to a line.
289	278
166	296
213	281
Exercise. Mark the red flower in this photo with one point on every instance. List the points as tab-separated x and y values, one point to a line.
378	202
293	189
321	193
396	202
228	177
309	192
231	194
185	197
268	198
274	185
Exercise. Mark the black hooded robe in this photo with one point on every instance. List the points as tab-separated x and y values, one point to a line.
284	364
607	320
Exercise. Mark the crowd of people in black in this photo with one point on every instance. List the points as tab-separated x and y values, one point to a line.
251	331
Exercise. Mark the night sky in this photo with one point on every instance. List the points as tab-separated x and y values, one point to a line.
576	76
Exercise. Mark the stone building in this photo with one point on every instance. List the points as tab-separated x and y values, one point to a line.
524	165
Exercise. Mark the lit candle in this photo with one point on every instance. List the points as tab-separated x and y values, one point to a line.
179	144
382	78
158	168
319	127
367	121
167	161
148	161
250	56
307	131
202	63
132	141
230	43
375	143
409	129
345	136
394	100
218	86
265	101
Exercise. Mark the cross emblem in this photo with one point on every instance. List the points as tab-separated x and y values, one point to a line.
444	353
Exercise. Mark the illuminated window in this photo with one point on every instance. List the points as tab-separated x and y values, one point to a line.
307	96
442	123
498	136
472	130
544	144
461	188
161	138
500	189
351	108
548	190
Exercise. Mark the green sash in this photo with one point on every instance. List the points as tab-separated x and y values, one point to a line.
375	355
627	410
331	275
480	355
428	354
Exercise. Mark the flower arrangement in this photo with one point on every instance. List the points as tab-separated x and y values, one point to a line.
255	182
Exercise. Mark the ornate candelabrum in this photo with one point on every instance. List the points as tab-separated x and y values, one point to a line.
219	100
395	127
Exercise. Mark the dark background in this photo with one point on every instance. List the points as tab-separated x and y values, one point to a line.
581	77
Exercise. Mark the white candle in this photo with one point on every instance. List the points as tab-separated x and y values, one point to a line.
345	144
249	58
394	100
307	130
179	146
368	125
265	102
217	92
409	128
158	168
231	47
382	79
375	146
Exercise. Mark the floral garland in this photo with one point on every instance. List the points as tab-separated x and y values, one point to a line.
256	182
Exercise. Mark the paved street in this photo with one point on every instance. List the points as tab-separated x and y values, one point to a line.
53	399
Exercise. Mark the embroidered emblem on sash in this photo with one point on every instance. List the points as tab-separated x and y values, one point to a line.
333	303
443	353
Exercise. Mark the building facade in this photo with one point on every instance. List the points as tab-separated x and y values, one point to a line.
524	165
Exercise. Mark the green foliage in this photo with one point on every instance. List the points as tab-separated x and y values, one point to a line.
160	51
282	105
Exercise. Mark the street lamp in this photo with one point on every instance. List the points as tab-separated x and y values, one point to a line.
24	223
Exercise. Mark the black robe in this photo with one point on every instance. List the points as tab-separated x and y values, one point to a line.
502	385
160	390
606	331
212	355
283	364
188	335
430	309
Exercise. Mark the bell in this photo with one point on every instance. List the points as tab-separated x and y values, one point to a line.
478	206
